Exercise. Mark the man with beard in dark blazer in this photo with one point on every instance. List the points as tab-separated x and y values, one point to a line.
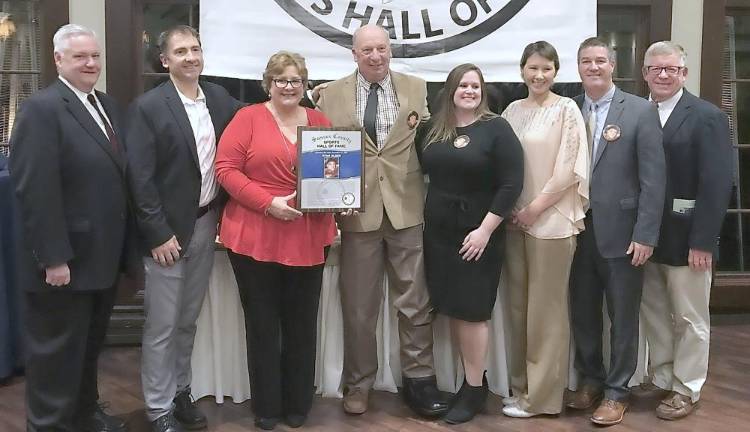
68	166
173	132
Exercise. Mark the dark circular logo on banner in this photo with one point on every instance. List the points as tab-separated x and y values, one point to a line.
470	21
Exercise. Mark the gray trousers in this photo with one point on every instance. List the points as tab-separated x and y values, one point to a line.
173	300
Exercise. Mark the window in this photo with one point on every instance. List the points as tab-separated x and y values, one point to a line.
735	101
20	64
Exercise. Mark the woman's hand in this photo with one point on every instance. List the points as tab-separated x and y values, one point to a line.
474	244
281	210
526	217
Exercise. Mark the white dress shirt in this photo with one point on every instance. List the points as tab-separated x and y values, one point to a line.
666	107
90	108
205	141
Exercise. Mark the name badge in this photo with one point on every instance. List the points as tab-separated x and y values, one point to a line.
683	206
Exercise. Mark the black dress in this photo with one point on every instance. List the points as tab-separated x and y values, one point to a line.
465	183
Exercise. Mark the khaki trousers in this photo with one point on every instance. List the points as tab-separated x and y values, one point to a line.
364	258
674	313
537	274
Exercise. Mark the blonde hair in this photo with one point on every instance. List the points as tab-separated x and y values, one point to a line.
444	121
278	62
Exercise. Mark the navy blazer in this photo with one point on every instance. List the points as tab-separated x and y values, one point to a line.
164	174
699	167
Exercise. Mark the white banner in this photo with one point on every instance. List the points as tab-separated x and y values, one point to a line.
428	37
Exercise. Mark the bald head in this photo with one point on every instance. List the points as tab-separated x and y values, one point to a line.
371	49
370	30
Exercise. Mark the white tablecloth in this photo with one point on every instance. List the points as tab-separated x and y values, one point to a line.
219	359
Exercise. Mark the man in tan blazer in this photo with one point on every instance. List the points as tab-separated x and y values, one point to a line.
388	234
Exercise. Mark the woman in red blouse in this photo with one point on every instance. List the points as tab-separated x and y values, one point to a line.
277	252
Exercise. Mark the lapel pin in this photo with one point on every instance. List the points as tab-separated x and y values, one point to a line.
461	141
611	132
412	120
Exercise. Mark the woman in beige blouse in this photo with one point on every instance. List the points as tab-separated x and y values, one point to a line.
541	241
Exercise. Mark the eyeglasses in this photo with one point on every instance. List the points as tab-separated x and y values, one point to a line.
282	83
670	70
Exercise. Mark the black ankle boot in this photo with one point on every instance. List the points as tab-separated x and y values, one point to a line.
468	402
423	396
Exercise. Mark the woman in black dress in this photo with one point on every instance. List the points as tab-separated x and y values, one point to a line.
475	164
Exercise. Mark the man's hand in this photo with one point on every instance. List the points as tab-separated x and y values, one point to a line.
58	275
700	260
168	253
280	208
315	93
641	253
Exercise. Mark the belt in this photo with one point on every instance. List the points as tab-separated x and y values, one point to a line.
203	210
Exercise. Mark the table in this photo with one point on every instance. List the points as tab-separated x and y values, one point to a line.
11	352
219	362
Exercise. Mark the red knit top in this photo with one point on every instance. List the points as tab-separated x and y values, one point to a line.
253	164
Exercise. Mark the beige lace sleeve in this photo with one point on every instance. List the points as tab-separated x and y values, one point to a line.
571	165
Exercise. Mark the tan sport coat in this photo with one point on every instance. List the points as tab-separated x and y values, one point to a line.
393	177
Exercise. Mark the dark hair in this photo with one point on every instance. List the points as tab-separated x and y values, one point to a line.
544	49
596	42
444	121
163	41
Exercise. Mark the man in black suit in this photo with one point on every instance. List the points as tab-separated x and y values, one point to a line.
68	168
174	129
622	228
677	283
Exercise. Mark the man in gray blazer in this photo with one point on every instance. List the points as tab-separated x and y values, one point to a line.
622	228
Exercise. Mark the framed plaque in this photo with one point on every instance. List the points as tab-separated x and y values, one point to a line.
331	169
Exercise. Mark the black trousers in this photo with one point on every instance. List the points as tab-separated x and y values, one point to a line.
592	280
281	312
65	331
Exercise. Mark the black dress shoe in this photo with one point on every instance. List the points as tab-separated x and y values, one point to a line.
166	423
423	396
295	420
187	413
468	402
100	421
266	423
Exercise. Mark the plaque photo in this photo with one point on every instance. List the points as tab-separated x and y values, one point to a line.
331	169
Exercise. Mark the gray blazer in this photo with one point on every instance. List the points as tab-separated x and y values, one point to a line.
628	180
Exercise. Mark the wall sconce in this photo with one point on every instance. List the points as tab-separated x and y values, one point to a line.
7	27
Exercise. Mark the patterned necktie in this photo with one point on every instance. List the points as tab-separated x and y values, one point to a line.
371	113
110	133
591	129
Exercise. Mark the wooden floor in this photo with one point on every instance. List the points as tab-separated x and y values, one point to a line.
725	402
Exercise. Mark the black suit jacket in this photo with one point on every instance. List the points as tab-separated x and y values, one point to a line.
71	189
699	167
164	173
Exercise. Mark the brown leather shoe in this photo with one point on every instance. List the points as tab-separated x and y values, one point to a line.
610	412
675	406
584	398
355	400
